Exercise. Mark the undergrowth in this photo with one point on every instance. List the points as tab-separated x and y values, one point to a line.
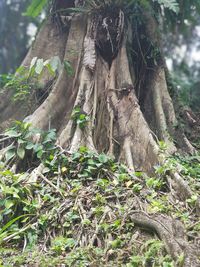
77	211
27	82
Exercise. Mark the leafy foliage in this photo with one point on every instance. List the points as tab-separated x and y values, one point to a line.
26	80
80	117
35	8
4	79
170	4
79	197
24	140
72	197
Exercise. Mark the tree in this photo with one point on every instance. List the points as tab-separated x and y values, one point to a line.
116	101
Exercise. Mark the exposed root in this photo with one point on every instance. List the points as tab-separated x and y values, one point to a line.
98	215
172	233
131	122
183	189
111	130
55	106
35	174
157	86
77	140
128	154
2	153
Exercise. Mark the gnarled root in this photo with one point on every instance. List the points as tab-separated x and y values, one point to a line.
172	234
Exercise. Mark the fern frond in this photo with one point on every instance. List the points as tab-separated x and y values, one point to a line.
170	4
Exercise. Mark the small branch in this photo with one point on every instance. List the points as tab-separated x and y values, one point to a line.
50	183
4	139
19	232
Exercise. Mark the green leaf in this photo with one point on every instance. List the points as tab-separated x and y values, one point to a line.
7	225
55	64
21	152
9	203
103	158
136	260
10	154
39	66
39	154
117	243
12	133
37	147
32	66
83	149
70	242
21	141
30	146
68	68
86	222
48	66
35	8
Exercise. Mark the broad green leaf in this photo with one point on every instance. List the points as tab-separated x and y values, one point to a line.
48	66
103	158
9	203
12	133
30	146
55	64
26	125
39	66
32	66
33	62
21	141
39	154
10	154
21	152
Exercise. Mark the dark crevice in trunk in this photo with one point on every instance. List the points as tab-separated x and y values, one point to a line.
59	5
108	37
145	57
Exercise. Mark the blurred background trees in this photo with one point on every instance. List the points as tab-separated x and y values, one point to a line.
16	32
182	49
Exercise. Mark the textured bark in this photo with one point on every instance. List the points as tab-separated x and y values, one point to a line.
48	43
106	90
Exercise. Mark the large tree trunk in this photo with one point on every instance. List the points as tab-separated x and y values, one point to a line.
128	104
